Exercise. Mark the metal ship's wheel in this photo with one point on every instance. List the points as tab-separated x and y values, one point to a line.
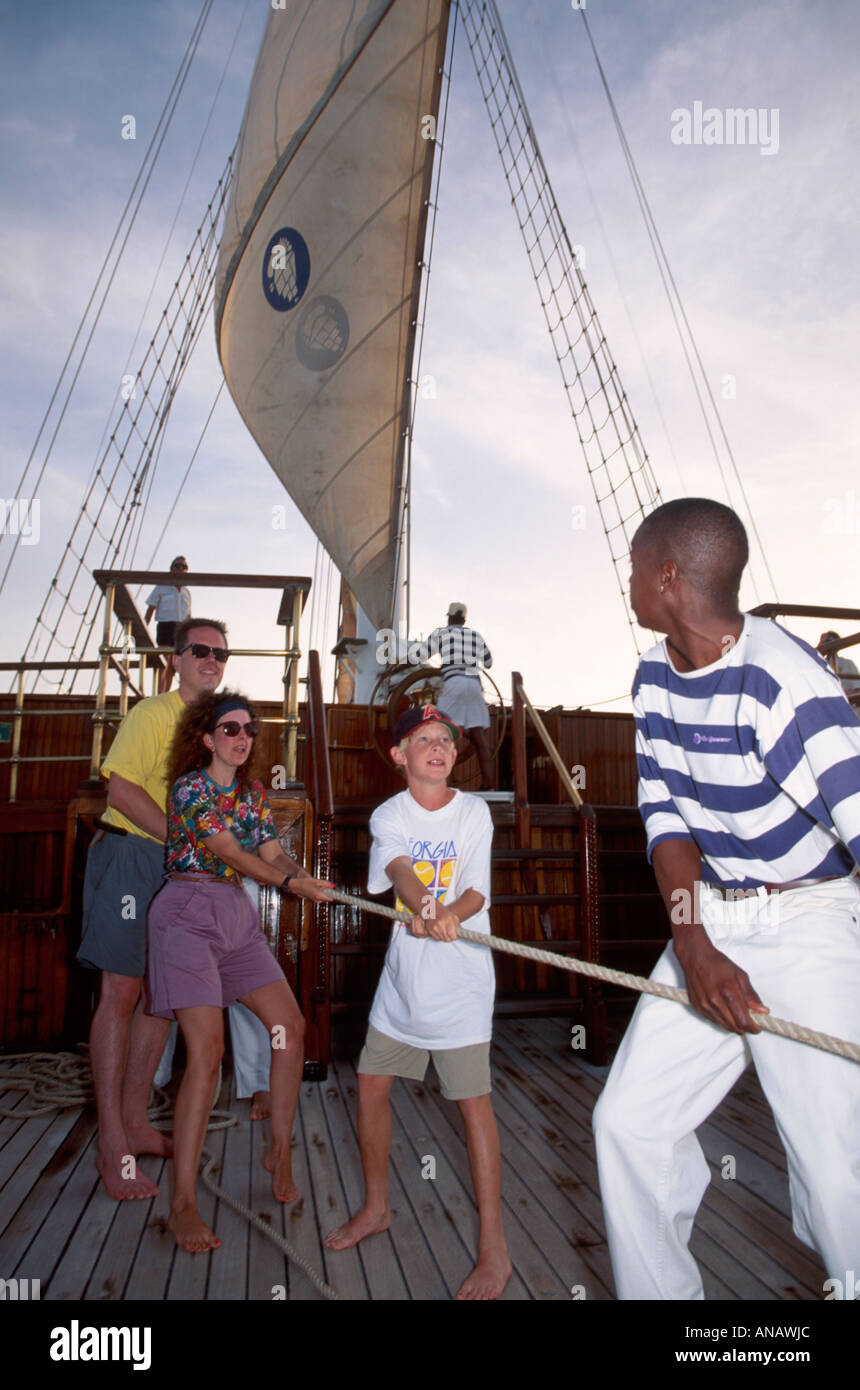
406	678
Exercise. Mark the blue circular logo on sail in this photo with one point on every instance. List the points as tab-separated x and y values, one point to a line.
322	334
286	269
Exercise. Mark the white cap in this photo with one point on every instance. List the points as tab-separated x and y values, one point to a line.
455	610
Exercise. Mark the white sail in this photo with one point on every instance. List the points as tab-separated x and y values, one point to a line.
319	269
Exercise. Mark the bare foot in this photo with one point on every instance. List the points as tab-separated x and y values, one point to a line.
364	1223
144	1139
489	1277
261	1105
122	1177
278	1163
191	1233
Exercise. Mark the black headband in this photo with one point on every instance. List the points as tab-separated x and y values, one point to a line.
224	708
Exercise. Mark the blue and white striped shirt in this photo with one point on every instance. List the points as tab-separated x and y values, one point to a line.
756	759
463	650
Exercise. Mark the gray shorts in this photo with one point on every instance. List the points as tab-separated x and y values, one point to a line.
205	947
124	872
464	1072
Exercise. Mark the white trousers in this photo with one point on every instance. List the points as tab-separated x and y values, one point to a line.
252	1045
801	950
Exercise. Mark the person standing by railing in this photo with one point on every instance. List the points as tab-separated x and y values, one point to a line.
171	604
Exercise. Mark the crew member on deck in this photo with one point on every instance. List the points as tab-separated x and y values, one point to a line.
464	652
171	604
842	665
749	782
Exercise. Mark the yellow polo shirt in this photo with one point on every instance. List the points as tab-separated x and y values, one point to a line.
140	753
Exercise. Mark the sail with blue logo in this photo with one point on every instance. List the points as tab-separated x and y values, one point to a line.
320	263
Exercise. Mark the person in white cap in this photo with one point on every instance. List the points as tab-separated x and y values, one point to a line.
464	652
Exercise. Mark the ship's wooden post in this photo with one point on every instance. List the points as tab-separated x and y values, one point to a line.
290	617
522	813
124	673
101	693
314	979
595	1007
16	738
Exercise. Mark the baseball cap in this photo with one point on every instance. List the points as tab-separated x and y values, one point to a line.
423	714
456	609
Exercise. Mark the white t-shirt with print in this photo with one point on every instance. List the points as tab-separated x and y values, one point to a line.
435	994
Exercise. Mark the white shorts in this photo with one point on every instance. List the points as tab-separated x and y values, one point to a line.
461	698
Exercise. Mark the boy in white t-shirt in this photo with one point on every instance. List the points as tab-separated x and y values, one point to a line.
435	996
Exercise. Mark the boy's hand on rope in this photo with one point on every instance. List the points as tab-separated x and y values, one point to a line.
436	920
717	987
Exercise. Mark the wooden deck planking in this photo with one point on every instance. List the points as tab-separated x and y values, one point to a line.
347	1274
228	1279
748	1215
301	1226
432	1134
267	1265
531	1238
57	1226
380	1257
130	1234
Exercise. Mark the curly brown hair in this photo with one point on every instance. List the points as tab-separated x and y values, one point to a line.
188	751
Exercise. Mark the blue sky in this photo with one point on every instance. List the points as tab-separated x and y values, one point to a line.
763	248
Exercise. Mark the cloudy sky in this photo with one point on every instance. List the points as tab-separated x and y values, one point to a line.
761	239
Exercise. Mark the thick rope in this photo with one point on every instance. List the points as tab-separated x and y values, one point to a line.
796	1031
269	1231
61	1080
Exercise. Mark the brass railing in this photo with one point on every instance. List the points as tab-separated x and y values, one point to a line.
137	653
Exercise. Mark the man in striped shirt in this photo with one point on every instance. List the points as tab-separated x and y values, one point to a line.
749	766
464	652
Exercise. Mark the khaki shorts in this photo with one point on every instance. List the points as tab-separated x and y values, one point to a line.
464	1072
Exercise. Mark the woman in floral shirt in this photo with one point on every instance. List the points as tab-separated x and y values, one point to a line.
206	949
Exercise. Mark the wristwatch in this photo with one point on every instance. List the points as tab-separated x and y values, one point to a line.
286	883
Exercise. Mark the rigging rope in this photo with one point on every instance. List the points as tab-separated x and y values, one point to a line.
677	307
145	173
157	391
618	466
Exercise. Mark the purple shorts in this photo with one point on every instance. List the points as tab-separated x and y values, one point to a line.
205	947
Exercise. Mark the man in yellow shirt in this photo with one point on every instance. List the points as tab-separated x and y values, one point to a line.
125	868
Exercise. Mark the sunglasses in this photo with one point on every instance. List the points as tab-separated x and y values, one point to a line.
200	650
232	727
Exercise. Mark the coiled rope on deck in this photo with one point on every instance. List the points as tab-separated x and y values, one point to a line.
796	1031
62	1081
